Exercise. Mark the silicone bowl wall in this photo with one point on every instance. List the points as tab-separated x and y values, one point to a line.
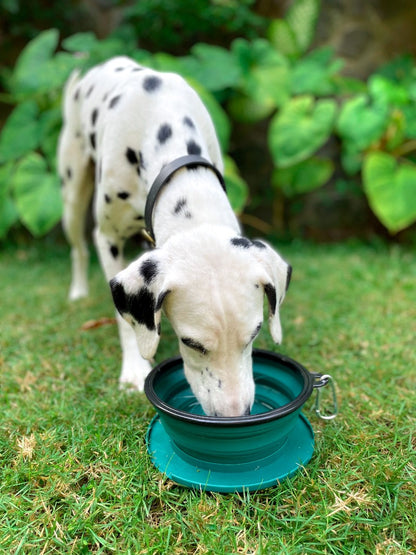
282	387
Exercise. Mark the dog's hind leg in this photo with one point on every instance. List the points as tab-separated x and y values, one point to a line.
76	206
77	174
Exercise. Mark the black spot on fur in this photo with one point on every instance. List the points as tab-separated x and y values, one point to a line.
137	69
140	305
180	205
114	101
114	251
142	308
120	68
92	140
164	133
89	91
94	116
131	156
68	173
193	148
288	276
259	244
141	160
123	195
151	84
107	199
188	122
271	296
241	242
76	95
149	270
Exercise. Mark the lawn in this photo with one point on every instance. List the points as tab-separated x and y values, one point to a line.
75	475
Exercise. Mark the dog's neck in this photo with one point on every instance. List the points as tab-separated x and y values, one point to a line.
190	195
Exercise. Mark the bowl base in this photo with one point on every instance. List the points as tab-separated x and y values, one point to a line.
296	452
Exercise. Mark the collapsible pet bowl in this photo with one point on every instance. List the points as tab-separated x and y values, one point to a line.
229	454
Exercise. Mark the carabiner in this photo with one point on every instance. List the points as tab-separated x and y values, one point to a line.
324	380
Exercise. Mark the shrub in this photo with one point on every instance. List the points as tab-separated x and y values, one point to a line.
301	92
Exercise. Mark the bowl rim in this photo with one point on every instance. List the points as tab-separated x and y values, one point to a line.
233	421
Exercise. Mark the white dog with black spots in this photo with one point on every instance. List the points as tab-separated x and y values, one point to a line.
124	123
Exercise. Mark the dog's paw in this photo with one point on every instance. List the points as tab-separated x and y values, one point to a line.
76	293
133	379
129	386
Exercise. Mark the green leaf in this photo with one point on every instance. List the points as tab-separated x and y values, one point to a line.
37	195
20	133
303	177
391	190
283	38
314	73
80	42
299	129
265	73
362	123
302	17
237	189
383	90
214	67
28	70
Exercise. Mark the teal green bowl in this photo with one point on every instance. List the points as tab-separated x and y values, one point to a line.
231	453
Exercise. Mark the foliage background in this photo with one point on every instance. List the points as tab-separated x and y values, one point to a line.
319	129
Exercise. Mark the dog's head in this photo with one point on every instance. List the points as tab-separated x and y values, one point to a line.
210	285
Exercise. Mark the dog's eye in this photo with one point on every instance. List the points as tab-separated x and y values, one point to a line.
195	345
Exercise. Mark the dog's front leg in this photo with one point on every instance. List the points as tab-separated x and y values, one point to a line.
134	368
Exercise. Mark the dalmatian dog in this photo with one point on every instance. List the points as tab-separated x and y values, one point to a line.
125	129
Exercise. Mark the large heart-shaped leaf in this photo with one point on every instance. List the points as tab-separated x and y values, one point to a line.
37	194
361	122
391	190
300	128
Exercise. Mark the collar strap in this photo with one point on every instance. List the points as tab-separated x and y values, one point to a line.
191	161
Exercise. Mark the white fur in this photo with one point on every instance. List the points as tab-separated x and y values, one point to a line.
212	288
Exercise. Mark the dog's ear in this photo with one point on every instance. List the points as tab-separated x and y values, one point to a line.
138	293
275	280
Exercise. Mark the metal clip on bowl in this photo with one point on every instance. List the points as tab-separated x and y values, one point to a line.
323	381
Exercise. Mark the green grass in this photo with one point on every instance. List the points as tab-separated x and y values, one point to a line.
75	476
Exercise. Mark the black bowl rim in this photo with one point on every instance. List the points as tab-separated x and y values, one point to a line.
232	421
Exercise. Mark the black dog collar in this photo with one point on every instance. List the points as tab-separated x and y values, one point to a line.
191	161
